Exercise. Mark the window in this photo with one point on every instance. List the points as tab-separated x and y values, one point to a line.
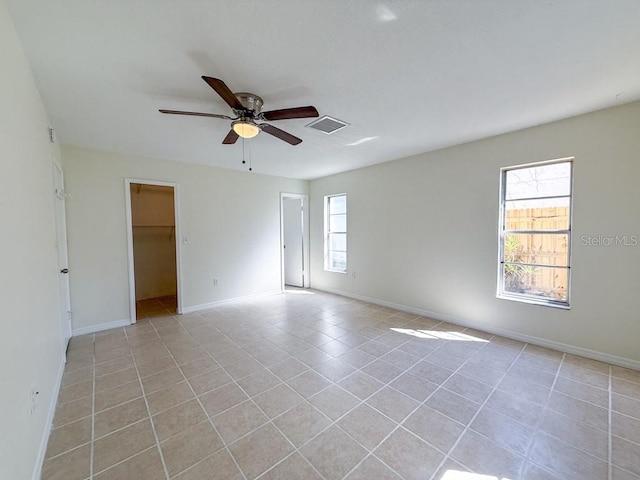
335	233
535	233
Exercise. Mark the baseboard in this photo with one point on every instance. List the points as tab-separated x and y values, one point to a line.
208	306
37	471
541	342
195	308
100	327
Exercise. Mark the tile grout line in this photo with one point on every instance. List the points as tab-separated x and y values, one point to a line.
93	409
361	402
420	404
334	423
146	403
560	439
309	368
124	460
583	400
73	449
536	427
269	420
283	382
482	405
399	424
225	447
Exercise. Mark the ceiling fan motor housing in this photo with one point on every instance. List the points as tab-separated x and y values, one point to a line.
250	102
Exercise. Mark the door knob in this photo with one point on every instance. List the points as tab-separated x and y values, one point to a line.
64	270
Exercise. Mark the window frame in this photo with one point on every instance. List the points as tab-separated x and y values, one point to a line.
503	233
328	232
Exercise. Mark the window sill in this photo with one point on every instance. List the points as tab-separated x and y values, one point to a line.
534	301
344	272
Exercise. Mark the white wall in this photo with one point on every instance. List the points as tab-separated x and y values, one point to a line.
30	344
423	232
231	220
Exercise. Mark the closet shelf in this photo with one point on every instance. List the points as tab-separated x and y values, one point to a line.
172	229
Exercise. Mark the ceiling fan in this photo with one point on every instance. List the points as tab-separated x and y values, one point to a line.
248	110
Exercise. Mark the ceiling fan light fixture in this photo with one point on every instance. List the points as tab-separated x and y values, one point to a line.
245	129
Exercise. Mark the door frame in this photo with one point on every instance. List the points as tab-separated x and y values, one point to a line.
62	224
176	210
306	280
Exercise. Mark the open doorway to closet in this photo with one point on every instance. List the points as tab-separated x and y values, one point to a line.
153	248
294	239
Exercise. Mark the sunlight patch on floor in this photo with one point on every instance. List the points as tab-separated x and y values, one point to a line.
298	291
458	475
456	336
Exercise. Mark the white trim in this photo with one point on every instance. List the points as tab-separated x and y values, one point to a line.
176	213
306	279
326	215
37	470
101	326
208	306
542	342
130	264
178	237
501	293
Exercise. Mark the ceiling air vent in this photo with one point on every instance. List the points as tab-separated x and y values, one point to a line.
327	124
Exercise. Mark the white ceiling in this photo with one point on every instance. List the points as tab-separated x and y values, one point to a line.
409	75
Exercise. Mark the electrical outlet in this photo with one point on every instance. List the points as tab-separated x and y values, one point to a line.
216	281
33	399
353	274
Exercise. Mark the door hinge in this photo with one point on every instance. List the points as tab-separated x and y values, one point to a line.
62	195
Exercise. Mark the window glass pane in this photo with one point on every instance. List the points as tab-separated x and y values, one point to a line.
542	181
540	248
541	214
544	282
336	233
338	204
338	223
338	241
338	261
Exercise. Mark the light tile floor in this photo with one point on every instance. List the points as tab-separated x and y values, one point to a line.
309	385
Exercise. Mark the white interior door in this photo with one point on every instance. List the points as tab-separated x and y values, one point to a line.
292	241
61	246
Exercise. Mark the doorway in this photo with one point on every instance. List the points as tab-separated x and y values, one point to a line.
61	248
294	223
154	280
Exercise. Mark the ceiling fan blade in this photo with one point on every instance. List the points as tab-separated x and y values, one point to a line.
281	134
231	138
285	113
221	89
197	114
